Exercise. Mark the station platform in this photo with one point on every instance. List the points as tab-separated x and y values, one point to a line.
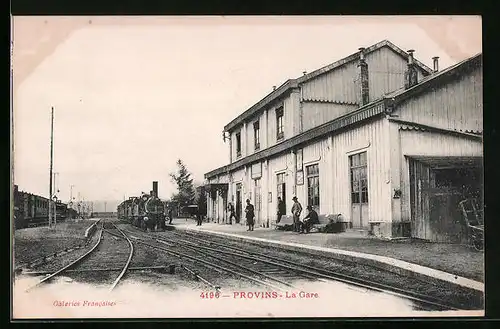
453	263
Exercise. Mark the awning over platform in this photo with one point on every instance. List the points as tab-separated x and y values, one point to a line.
217	187
443	162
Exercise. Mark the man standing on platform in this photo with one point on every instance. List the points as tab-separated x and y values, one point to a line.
199	216
170	215
296	211
250	214
230	209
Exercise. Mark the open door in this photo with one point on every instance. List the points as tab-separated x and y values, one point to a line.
238	202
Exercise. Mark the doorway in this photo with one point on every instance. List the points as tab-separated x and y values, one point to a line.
437	185
238	202
281	187
359	190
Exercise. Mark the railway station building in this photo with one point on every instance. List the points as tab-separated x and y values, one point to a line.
378	137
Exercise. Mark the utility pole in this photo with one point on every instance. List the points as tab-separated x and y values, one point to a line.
105	203
55	198
71	195
51	161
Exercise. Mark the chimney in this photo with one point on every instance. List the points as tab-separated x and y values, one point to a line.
436	63
304	72
411	74
155	188
274	87
364	94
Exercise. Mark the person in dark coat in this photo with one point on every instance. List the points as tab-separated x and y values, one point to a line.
310	219
199	217
230	209
250	214
170	215
296	211
281	209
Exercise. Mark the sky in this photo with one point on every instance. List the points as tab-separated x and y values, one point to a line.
133	95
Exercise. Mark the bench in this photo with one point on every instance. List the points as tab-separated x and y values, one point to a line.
332	223
323	221
327	224
285	224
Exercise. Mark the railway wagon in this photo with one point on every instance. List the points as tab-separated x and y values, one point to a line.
32	210
146	211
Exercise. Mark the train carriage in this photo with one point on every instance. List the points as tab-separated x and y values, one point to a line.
33	210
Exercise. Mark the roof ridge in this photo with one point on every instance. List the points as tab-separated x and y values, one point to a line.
293	82
436	75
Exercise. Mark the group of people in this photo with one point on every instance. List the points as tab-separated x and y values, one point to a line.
303	225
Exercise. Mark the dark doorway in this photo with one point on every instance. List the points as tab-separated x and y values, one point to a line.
281	187
436	190
238	202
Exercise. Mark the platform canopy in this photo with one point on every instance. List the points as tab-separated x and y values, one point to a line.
443	162
217	187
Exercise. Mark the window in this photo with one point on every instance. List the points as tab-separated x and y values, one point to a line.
279	124
359	179
238	144
280	181
313	186
256	135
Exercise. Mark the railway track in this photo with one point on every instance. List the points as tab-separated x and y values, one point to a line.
424	301
91	262
273	272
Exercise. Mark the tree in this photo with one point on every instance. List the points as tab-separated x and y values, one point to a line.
185	190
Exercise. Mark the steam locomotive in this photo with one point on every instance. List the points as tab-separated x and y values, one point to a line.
146	212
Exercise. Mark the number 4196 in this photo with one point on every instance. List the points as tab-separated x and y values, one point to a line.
210	295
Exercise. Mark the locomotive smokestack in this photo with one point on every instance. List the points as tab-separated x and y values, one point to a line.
155	188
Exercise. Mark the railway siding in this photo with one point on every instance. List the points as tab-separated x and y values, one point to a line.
32	244
384	263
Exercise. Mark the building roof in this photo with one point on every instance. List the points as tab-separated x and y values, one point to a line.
370	110
436	78
413	126
294	83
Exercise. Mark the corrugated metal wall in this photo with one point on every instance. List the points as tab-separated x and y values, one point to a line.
385	72
319	153
315	114
457	105
371	138
271	128
233	144
280	164
426	143
337	85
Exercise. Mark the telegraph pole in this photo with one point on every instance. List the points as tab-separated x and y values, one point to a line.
51	161
55	198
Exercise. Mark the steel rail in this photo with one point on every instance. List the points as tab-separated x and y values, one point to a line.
205	281
42	259
240	266
269	277
334	276
127	264
209	264
79	259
